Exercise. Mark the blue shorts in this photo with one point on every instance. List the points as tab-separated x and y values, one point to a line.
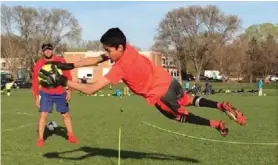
47	101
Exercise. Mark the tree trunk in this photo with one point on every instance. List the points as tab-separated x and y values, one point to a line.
198	75
251	79
179	70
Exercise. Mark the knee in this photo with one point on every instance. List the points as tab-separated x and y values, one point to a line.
186	100
65	115
196	100
43	115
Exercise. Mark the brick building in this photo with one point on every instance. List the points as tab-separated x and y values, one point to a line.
92	73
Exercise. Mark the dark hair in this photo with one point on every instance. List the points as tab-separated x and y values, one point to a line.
114	37
47	46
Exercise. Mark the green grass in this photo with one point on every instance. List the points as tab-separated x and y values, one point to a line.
96	121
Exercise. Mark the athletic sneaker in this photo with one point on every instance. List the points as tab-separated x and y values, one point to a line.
72	139
233	113
40	143
223	130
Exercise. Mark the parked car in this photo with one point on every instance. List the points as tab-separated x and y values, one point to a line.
22	83
274	78
5	77
188	77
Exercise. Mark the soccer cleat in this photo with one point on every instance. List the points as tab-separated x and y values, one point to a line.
72	139
223	130
233	113
40	143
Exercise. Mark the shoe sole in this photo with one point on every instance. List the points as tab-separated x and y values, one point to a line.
224	134
232	114
225	131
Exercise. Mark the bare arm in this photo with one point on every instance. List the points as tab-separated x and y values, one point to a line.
89	88
89	61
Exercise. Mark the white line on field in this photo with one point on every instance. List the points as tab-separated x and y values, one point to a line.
15	128
205	139
24	113
18	113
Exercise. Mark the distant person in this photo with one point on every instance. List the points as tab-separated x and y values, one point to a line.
83	80
118	92
126	91
267	80
186	85
8	86
260	87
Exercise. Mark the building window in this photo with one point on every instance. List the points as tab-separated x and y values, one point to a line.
163	61
3	65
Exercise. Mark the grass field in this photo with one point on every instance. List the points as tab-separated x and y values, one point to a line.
96	121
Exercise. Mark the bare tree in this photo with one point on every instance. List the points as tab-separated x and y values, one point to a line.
171	54
254	58
94	46
37	26
10	43
196	32
11	52
230	60
269	59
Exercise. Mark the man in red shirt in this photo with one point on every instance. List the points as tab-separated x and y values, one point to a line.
46	97
145	79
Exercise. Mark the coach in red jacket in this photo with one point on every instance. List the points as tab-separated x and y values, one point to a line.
46	97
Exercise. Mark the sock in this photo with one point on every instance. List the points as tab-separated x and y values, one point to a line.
214	123
193	119
202	102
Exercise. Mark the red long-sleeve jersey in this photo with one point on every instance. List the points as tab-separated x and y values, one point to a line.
35	78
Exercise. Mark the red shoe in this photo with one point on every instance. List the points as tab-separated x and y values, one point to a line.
233	113
40	143
223	130
72	139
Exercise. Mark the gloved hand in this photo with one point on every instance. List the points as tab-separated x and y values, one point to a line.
62	66
53	78
104	57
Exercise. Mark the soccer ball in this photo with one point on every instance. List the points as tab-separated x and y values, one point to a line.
51	126
47	67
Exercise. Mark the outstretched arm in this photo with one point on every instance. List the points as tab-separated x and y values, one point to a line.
89	88
89	61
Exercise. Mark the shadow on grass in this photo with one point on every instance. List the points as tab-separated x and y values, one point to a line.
59	131
112	153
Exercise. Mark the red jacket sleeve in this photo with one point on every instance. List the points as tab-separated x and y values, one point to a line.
35	80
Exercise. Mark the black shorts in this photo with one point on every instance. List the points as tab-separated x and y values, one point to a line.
168	104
